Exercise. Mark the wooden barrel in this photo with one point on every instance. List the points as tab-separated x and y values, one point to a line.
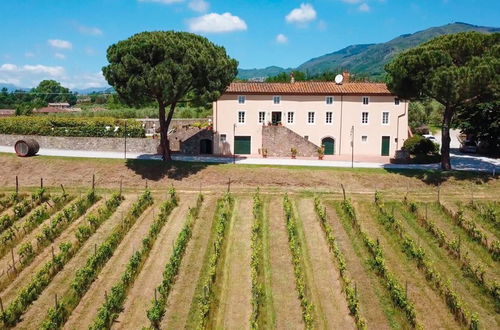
26	148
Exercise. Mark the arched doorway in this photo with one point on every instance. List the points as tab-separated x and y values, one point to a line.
329	145
206	146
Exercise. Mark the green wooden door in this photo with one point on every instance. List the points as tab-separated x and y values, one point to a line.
386	142
329	145
242	145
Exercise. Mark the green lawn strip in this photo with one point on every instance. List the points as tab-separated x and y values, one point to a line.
296	249
438	282
470	228
12	236
113	304
389	280
470	270
85	276
261	317
21	209
158	305
12	315
485	214
351	295
395	316
203	304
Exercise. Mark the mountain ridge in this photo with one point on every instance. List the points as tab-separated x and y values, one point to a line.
368	59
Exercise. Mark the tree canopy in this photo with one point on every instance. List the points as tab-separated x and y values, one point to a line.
458	71
168	68
51	91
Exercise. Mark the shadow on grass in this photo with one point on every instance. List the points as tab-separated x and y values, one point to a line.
437	177
155	170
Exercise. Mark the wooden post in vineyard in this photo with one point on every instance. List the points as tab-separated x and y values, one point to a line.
55	301
121	186
93	182
439	194
17	185
41	183
13	260
229	185
406	289
156	299
1	305
343	190
64	191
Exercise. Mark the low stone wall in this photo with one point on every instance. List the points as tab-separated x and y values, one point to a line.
279	140
147	146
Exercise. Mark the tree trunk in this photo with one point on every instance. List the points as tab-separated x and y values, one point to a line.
445	140
164	149
167	125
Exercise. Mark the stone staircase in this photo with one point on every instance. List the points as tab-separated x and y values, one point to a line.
279	140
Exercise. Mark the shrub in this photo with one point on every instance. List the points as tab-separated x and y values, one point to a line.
68	126
418	145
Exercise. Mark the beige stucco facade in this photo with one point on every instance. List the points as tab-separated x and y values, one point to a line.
346	113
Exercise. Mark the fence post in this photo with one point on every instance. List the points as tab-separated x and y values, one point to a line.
13	261
229	185
41	183
64	191
343	190
17	185
121	186
93	182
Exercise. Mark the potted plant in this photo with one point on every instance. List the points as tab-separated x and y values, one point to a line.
294	152
264	152
321	152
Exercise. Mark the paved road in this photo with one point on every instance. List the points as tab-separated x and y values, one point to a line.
459	161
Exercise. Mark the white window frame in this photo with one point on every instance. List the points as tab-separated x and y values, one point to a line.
367	118
313	117
242	98
364	138
292	117
244	117
331	118
263	119
397	101
276	97
363	100
327	98
388	117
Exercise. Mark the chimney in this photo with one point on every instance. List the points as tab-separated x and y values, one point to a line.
292	78
346	76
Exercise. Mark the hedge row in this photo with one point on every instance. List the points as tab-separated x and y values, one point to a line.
412	251
85	276
298	262
113	304
349	289
204	300
8	201
157	310
378	264
65	126
21	209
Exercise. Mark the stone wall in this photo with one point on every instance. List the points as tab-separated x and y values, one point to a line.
279	140
147	146
191	145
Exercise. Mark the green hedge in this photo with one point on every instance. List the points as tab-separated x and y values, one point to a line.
60	126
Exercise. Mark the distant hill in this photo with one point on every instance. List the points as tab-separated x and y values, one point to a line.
368	59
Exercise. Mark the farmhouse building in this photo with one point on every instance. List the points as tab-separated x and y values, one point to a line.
251	117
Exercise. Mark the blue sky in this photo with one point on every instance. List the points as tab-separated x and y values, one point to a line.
67	40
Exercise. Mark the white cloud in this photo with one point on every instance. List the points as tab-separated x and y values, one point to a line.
60	56
29	54
86	80
281	38
89	51
199	5
167	2
62	44
7	67
89	30
217	23
302	15
364	7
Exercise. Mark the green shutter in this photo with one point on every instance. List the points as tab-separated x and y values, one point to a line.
242	145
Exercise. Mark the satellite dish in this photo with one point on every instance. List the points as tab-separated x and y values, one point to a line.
338	79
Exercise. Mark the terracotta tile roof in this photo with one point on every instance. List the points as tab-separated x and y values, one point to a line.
7	112
49	110
308	88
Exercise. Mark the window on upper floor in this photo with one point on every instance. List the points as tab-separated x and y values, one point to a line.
329	117
364	138
276	99
262	117
366	100
241	99
241	117
310	117
329	100
223	138
289	118
396	101
364	118
385	118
